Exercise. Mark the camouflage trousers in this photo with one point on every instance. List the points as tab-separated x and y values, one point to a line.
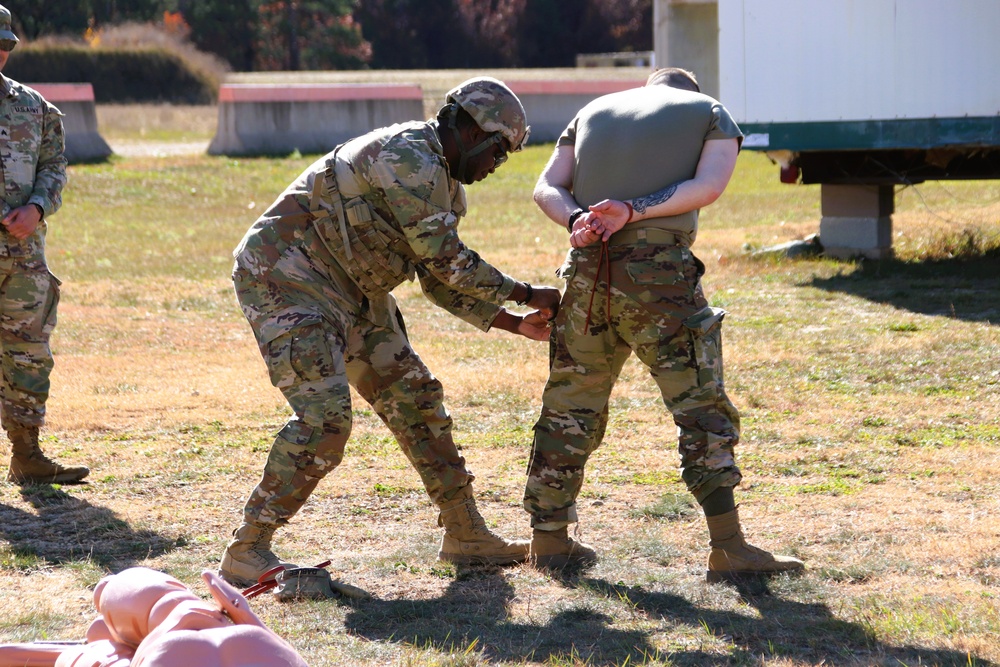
658	311
29	295
314	362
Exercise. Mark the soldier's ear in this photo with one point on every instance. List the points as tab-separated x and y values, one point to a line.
475	133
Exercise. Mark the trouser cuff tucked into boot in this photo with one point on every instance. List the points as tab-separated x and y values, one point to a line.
556	550
28	465
248	557
467	540
732	559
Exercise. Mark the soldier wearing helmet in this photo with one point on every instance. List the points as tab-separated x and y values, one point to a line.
495	109
314	277
34	173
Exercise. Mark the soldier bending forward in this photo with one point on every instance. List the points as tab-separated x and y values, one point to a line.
313	277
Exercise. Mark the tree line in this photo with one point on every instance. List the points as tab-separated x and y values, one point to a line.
263	35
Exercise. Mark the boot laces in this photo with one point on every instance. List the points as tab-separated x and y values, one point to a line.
38	455
478	522
757	551
263	541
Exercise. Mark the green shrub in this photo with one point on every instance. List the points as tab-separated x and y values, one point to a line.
118	75
129	62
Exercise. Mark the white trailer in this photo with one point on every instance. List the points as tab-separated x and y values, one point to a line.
860	96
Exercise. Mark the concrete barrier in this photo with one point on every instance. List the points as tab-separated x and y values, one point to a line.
262	119
551	105
76	100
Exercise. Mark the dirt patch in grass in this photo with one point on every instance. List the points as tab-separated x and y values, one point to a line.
871	425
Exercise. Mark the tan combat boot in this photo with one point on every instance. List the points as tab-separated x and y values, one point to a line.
556	550
732	559
249	555
28	465
467	540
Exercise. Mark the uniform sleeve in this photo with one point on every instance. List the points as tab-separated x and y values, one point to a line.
476	312
50	174
417	192
568	137
723	126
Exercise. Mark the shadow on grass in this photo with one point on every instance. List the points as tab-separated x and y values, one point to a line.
69	529
473	612
806	632
474	609
967	288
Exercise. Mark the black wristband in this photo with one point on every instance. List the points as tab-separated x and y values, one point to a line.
41	211
528	293
572	218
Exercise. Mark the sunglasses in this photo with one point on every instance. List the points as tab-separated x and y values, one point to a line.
499	159
7	44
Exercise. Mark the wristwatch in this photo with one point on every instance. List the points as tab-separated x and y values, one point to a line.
572	218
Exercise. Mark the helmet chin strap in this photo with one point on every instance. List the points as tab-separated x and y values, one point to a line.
464	154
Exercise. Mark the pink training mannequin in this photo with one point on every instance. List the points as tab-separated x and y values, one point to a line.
150	619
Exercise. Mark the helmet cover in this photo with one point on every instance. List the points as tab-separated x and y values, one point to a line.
494	107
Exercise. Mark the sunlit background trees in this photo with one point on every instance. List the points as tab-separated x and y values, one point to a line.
262	35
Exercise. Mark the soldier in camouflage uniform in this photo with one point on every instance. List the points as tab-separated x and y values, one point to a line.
34	173
313	277
627	179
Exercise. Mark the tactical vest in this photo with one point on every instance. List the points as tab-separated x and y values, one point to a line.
373	254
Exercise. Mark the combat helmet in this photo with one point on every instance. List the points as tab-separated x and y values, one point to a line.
495	109
8	40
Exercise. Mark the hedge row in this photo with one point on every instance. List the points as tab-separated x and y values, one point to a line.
118	76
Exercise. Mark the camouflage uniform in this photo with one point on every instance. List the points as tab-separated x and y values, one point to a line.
641	293
34	172
319	304
658	310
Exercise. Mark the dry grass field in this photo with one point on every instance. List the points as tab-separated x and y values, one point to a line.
870	394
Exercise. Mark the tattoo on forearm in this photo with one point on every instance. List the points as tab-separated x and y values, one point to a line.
640	204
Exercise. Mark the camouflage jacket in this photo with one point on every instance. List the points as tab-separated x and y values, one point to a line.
401	173
32	160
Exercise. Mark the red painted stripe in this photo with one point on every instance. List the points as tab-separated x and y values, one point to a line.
251	92
65	92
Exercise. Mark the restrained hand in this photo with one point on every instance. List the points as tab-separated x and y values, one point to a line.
607	217
582	234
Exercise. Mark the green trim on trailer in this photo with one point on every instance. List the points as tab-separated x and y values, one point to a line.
916	133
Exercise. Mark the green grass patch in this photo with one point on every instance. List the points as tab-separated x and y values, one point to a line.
868	392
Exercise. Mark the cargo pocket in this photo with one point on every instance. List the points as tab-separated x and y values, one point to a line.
302	354
54	294
705	328
664	266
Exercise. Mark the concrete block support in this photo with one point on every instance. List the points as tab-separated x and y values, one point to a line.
261	119
551	105
686	34
857	220
76	100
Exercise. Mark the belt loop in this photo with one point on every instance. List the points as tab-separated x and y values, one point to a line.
641	238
